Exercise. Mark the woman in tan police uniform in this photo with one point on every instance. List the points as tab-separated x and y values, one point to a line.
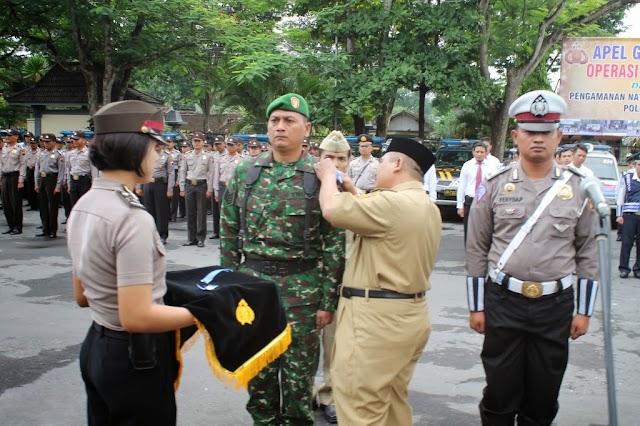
128	357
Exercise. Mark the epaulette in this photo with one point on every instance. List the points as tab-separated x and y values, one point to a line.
572	169
500	171
130	198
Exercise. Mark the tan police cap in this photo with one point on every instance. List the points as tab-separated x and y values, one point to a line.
335	142
130	117
538	111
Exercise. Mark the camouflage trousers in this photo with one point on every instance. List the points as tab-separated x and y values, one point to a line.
281	394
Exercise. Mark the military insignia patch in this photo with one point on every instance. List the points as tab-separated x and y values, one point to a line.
565	192
539	107
244	313
509	187
229	196
295	102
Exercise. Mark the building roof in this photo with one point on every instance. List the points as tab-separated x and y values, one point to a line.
59	87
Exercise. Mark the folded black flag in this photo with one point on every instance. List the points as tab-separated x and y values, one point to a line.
240	316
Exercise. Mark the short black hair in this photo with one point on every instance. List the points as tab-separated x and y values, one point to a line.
120	151
479	144
580	146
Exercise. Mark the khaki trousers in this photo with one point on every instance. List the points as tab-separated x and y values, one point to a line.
377	345
325	394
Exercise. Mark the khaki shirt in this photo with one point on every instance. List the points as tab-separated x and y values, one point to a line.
12	159
363	172
31	157
397	237
78	164
224	167
164	169
113	243
49	162
196	167
562	241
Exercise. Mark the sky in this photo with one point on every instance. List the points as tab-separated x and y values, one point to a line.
632	21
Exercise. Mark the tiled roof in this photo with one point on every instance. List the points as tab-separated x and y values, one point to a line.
60	87
218	123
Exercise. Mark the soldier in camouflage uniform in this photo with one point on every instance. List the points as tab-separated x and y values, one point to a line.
272	245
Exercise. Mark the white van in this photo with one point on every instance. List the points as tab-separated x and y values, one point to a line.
605	167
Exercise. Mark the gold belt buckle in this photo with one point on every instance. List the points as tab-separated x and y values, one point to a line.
43	174
194	182
153	179
76	177
531	289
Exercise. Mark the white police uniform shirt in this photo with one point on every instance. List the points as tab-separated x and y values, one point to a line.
430	183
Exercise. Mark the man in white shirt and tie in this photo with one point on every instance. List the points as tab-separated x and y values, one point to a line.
492	162
579	155
471	175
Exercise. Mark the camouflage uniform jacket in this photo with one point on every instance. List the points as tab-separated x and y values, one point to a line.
274	231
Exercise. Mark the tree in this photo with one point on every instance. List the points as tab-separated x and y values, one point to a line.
34	68
516	55
106	40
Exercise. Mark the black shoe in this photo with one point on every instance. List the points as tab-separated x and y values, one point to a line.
64	222
163	240
329	413
214	237
53	235
190	243
39	227
619	238
16	232
624	274
182	217
10	231
31	209
636	274
200	244
42	234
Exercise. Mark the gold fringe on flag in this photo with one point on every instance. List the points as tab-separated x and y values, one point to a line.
247	371
179	350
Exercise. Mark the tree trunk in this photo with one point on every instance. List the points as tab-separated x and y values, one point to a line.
382	121
500	112
358	124
205	104
422	88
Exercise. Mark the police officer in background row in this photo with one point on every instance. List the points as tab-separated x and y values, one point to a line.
31	156
219	150
362	169
628	206
78	168
12	175
525	307
175	158
159	191
49	174
197	188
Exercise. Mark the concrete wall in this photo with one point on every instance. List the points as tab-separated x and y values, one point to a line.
56	122
403	123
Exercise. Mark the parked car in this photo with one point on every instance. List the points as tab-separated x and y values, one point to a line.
605	167
450	157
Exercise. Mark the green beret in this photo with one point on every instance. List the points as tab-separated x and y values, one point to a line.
289	102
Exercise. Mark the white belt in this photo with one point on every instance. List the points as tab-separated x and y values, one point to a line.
529	289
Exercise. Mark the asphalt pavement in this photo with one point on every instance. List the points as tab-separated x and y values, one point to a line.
41	331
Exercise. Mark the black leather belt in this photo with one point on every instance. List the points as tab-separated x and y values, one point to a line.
374	293
196	182
281	268
114	334
50	175
80	177
16	173
159	180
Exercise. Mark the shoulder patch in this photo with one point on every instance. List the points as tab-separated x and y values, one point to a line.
229	196
498	172
368	194
576	171
130	198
